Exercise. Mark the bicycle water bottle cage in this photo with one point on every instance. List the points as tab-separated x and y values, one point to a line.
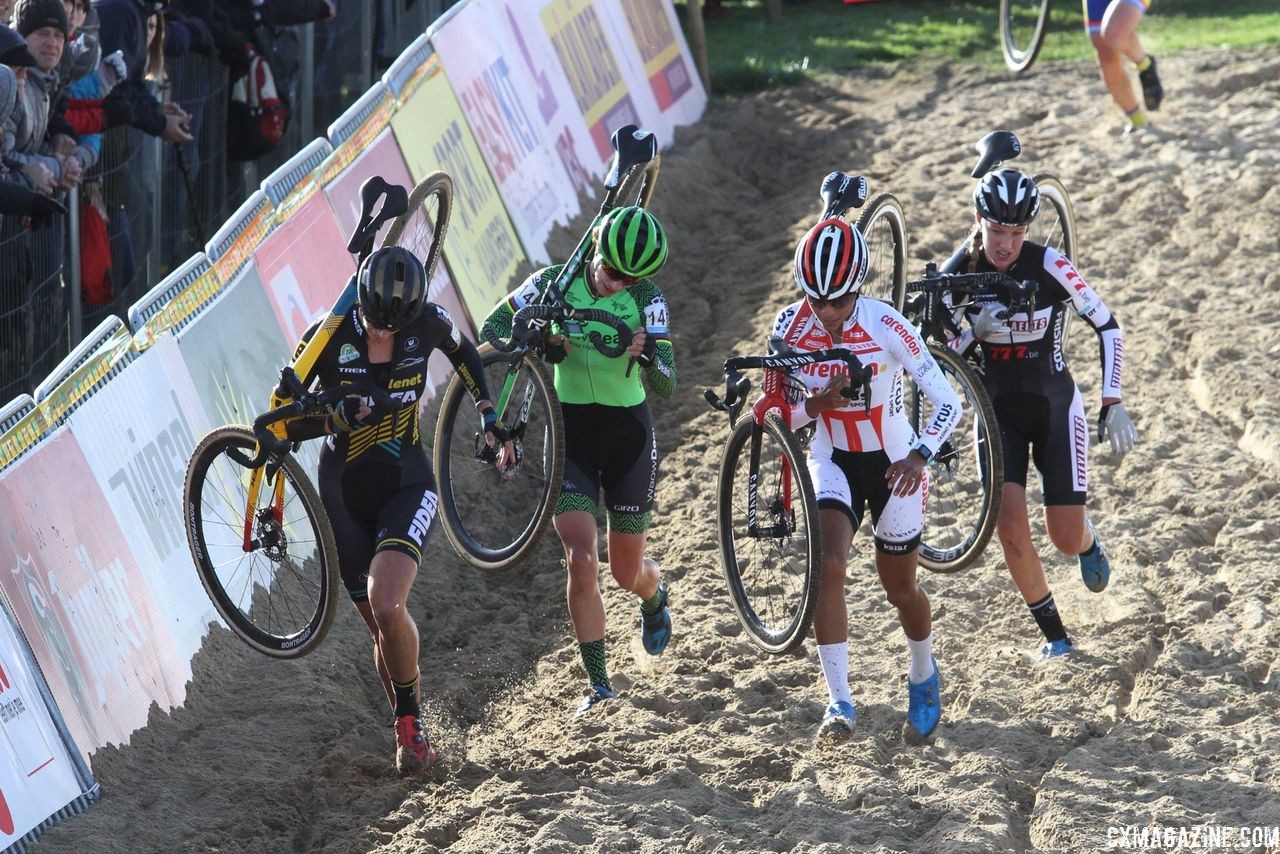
395	201
994	149
840	192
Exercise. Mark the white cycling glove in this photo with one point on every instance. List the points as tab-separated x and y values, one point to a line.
1114	421
987	325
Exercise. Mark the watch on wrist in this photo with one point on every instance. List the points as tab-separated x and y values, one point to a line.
924	451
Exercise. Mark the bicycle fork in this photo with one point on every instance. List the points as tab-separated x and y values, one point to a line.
779	508
273	513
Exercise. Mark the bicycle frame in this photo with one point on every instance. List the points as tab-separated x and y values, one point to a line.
774	398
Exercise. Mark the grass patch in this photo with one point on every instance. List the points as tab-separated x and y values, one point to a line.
748	54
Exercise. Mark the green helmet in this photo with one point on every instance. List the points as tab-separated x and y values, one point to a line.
631	241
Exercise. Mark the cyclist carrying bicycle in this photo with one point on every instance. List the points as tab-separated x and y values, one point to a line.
375	478
609	437
865	454
1037	403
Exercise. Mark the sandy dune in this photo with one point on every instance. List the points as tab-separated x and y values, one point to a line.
1169	714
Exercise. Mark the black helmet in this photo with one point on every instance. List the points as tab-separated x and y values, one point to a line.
392	286
1007	196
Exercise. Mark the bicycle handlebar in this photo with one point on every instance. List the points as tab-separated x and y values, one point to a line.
303	403
737	386
1020	291
525	328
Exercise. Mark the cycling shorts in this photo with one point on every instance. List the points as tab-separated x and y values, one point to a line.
1095	10
370	511
850	481
1054	429
614	449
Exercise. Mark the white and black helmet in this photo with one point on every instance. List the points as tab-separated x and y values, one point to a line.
1007	197
831	260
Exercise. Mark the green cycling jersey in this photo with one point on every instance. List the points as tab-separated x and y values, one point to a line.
586	375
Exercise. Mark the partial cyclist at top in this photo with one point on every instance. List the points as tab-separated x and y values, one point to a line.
865	456
1036	401
610	442
1112	27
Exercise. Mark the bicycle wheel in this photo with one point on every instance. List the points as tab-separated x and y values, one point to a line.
966	476
772	570
421	228
636	186
1055	226
1022	28
279	597
884	226
491	521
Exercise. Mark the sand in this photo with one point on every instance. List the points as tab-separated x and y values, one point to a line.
1168	715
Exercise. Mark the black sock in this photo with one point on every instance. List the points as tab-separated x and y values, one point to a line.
1048	619
593	658
406	697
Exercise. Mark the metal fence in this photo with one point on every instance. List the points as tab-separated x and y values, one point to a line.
154	205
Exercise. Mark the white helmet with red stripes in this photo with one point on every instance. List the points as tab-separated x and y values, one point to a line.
831	260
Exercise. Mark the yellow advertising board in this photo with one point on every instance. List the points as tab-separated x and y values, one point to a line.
481	247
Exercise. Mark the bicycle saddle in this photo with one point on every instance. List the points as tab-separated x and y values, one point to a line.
395	201
633	146
995	148
841	192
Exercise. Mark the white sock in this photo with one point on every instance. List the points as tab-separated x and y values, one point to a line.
835	666
921	659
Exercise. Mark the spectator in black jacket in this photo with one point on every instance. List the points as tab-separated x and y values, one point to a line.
124	28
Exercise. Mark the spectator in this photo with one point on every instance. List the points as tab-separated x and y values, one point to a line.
16	197
43	23
6	11
124	28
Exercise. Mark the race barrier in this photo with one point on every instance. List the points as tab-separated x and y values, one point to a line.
102	611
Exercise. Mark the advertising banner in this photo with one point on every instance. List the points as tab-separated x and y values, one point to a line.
484	254
500	104
36	777
657	62
82	601
304	264
536	62
343	191
137	437
587	49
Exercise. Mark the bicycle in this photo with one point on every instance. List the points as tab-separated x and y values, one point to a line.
772	569
269	561
494	519
967	473
1023	24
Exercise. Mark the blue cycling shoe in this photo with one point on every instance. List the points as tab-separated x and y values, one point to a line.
924	705
837	723
1095	568
655	628
1056	649
598	694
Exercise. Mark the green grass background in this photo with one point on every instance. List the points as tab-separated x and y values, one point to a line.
747	53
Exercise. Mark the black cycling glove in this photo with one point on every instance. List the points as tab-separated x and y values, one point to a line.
647	352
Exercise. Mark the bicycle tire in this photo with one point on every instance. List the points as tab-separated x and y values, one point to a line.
244	587
635	187
775	604
884	226
493	522
966	476
1020	44
419	229
1060	234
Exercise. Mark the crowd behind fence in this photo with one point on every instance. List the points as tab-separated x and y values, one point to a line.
147	205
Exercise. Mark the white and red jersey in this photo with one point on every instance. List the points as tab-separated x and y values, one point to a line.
885	341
